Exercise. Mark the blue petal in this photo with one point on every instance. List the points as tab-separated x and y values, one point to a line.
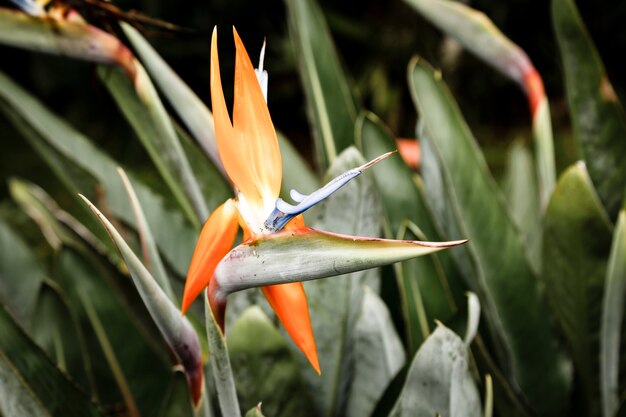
284	212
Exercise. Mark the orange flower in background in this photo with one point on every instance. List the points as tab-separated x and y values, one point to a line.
249	150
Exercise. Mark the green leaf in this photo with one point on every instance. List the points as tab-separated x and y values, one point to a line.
56	329
476	32
220	364
63	37
424	297
151	256
522	196
174	327
612	320
255	412
297	174
31	384
596	113
129	330
55	139
140	103
185	102
265	369
331	107
503	278
439	381
21	275
176	401
378	356
576	241
611	330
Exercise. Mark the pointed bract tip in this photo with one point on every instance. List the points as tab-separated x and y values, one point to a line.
376	160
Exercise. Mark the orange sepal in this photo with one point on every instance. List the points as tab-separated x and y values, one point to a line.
290	304
216	239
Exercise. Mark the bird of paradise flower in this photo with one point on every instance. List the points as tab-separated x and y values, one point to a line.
249	151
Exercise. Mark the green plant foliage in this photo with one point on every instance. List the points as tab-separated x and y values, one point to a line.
331	107
439	381
576	241
20	275
612	321
31	385
596	112
505	281
265	368
424	299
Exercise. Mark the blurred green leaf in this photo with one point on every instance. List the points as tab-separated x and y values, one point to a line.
174	327
176	401
32	385
128	327
378	356
140	104
476	32
47	132
63	37
255	412
150	252
21	276
185	102
596	113
439	381
220	364
520	188
331	107
297	174
265	368
576	241
512	291
612	321
424	297
56	329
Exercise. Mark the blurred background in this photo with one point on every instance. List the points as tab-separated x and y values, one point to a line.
375	39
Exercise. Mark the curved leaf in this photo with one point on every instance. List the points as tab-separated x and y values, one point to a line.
476	32
331	106
265	368
49	134
612	319
140	103
576	241
512	291
378	356
21	275
439	381
596	113
31	384
74	39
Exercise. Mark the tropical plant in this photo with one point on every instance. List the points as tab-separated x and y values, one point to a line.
524	319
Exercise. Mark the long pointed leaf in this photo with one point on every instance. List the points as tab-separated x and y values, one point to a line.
612	319
61	37
596	113
576	240
332	108
310	254
173	235
175	328
477	33
439	381
140	103
496	247
31	384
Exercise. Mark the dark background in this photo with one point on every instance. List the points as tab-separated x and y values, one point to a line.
375	39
